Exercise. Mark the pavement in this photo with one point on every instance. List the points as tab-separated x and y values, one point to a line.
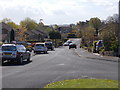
84	53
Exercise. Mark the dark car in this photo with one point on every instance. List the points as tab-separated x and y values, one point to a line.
14	53
49	45
72	45
27	45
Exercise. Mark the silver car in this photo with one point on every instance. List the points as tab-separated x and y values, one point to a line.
40	47
12	52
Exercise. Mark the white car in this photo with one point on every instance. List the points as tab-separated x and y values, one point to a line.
40	47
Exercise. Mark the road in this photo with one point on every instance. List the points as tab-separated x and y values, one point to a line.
60	64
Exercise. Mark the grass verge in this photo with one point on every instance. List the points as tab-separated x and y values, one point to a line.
84	83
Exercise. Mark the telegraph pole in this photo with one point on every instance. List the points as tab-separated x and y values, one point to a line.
119	32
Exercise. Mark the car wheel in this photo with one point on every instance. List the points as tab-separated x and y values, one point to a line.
45	52
2	62
28	59
20	60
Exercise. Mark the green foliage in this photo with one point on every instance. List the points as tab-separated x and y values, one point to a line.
13	25
110	37
71	35
6	20
54	35
114	46
10	23
95	23
29	24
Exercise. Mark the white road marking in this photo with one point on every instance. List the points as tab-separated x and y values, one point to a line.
61	64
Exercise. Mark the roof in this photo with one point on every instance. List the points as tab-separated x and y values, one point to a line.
8	45
6	26
40	43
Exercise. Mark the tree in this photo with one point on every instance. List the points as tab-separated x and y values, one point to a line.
6	20
10	23
29	24
21	32
54	35
71	35
113	19
13	25
109	35
95	23
88	35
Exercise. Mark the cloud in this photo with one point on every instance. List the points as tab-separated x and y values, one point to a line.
57	11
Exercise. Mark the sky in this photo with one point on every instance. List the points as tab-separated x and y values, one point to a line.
57	11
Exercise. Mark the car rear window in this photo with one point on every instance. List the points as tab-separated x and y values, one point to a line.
8	48
48	44
40	45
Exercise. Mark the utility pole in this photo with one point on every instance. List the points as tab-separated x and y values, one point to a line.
119	32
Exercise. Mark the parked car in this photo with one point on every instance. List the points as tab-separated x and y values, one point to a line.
49	45
40	47
14	53
72	45
27	45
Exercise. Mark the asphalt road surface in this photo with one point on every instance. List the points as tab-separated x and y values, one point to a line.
60	64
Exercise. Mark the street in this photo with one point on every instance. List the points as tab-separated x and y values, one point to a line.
57	65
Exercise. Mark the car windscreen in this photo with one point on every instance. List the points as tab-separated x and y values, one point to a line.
8	48
39	45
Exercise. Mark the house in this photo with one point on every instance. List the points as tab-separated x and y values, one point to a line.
37	35
5	33
64	29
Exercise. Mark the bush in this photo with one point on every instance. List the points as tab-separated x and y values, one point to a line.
102	50
114	46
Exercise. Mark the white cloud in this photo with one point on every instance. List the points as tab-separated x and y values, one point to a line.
57	11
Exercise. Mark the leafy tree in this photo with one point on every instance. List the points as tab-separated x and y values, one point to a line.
71	35
113	19
13	25
109	33
21	32
95	23
54	35
29	24
55	27
6	20
88	35
10	23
